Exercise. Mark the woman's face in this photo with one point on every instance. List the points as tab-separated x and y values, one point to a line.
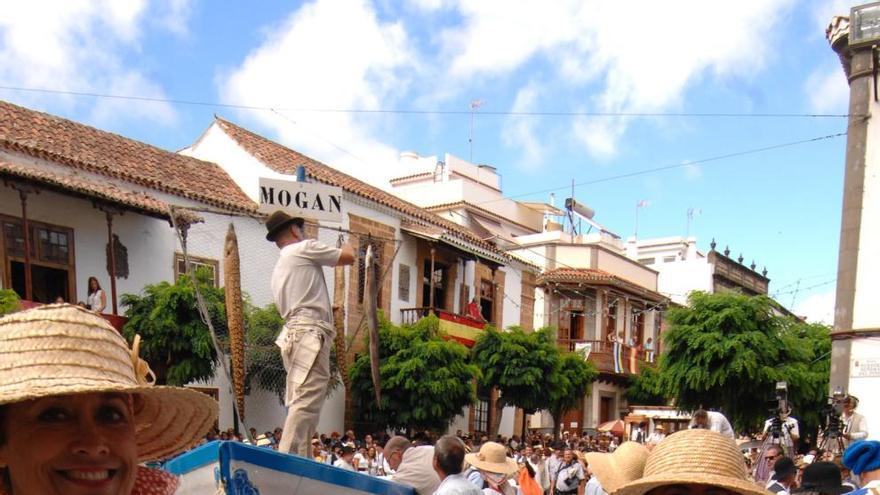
71	445
93	284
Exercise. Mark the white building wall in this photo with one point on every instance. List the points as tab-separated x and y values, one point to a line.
150	241
512	296
863	383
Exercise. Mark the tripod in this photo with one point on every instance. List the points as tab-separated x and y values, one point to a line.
775	438
832	441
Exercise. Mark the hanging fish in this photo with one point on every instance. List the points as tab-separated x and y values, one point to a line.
339	321
234	315
371	298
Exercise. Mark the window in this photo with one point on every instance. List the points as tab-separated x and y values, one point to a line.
213	266
646	261
611	317
638	328
51	257
668	259
481	415
403	282
439	278
487	300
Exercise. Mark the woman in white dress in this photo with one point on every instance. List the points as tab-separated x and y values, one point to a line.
97	300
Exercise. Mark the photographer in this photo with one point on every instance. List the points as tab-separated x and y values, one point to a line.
855	427
783	427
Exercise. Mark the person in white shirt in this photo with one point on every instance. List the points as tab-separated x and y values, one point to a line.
413	466
539	466
657	435
711	420
570	477
360	459
855	426
637	434
345	459
300	294
448	464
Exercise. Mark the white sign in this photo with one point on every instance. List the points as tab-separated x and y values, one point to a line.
301	199
865	368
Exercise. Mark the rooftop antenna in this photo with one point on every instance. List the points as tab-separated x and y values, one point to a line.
475	105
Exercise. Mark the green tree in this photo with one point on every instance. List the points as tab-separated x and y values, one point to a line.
263	363
175	341
728	350
519	364
426	380
647	389
9	301
569	383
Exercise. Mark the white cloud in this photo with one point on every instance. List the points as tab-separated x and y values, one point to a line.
646	53
76	45
817	308
330	54
523	132
827	89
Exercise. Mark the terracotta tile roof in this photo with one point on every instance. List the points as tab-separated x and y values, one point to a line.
596	277
82	147
285	160
104	190
413	176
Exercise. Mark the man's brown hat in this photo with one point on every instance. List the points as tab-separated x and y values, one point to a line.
278	222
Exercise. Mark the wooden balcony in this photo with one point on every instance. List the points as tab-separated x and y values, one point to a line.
115	321
601	353
458	327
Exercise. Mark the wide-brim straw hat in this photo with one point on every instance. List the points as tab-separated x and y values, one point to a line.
696	456
626	464
62	349
492	457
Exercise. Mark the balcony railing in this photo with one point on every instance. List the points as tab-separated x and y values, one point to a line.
631	361
459	327
115	321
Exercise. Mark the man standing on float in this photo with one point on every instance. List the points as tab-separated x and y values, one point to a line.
300	294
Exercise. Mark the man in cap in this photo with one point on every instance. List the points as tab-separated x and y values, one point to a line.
694	462
300	294
863	459
784	475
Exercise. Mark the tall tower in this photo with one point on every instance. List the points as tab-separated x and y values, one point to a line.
855	355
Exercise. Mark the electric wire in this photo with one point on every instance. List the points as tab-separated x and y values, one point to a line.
414	111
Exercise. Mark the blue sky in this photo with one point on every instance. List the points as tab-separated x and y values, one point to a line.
780	208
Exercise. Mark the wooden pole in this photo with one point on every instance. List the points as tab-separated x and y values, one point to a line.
111	258
28	289
431	283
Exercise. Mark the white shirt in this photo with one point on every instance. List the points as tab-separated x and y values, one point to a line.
360	462
789	428
593	487
857	427
656	437
718	423
416	469
456	484
298	286
340	463
94	301
573	473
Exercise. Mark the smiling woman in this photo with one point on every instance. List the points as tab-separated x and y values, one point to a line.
78	410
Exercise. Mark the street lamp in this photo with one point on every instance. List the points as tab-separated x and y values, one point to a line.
864	22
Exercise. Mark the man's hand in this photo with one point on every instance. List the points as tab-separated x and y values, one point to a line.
346	257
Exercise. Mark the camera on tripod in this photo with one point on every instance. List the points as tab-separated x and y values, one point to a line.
833	411
781	410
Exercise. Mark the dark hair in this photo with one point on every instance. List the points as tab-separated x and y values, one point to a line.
97	284
449	452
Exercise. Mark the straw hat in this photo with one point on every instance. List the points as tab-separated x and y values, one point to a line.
626	464
492	458
697	456
62	349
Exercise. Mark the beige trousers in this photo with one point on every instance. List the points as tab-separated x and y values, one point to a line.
305	349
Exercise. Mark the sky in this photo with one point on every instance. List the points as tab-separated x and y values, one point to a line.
355	82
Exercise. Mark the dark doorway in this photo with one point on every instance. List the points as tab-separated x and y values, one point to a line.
440	274
606	404
47	283
576	325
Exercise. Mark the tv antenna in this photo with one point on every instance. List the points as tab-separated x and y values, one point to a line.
475	105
